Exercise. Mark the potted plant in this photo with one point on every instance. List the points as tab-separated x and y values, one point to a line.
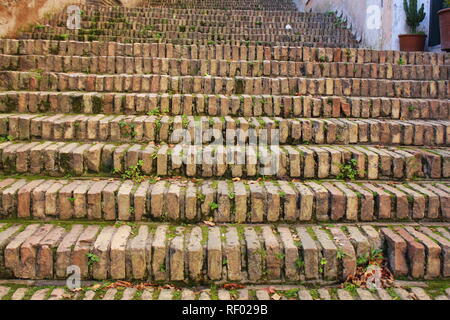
414	41
444	22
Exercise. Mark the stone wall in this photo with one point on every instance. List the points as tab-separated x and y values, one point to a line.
17	14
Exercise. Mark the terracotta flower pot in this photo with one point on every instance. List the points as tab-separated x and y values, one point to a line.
412	42
444	21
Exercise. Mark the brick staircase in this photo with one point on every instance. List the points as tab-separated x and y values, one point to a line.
92	120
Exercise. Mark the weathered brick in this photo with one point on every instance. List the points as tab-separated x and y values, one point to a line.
254	255
214	247
101	249
118	255
396	249
310	254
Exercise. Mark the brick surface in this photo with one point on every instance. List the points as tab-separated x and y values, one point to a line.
327	131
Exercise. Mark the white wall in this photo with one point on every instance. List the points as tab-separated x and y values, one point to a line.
393	19
399	25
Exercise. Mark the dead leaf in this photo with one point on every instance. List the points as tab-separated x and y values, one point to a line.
276	296
233	286
209	223
95	287
168	286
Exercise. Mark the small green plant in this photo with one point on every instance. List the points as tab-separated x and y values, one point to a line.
6	138
350	287
291	293
348	53
213	206
340	254
414	16
362	260
134	173
348	170
61	37
322	264
185	121
92	258
401	61
68	175
280	256
201	197
299	263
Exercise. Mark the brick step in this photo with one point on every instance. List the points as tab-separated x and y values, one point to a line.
163	12
159	128
238	4
202	254
219	52
230	105
223	201
105	2
38	80
58	291
192	32
97	25
308	41
299	161
254	34
202	26
200	67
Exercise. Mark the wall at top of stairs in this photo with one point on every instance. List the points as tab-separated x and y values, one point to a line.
360	17
18	14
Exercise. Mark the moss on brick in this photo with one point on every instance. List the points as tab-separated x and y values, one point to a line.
44	106
239	87
10	104
77	104
65	162
97	104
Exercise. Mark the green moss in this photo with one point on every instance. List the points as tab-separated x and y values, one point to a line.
77	104
214	292
437	287
10	103
392	293
314	294
65	162
44	106
239	86
97	104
